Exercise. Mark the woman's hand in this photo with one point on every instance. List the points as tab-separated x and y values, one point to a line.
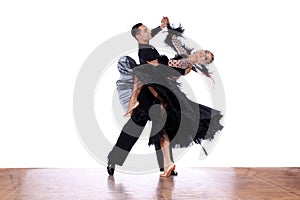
131	107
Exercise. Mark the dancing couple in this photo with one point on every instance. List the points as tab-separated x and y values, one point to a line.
150	91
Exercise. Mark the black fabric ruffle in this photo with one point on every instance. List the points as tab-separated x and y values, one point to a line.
186	121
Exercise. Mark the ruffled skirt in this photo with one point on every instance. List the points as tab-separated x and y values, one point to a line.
184	121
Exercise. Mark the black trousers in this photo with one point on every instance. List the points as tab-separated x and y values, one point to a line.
134	127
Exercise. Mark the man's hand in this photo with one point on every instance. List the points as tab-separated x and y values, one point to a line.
164	22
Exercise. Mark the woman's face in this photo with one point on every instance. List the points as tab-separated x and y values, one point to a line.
204	57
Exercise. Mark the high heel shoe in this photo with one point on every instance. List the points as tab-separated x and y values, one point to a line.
168	171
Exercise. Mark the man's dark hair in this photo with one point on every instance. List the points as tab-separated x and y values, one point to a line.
135	29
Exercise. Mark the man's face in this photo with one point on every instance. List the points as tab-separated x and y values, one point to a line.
204	56
144	33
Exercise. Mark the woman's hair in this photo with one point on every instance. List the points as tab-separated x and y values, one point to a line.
212	56
178	32
202	68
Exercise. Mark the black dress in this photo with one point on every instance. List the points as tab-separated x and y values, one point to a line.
185	121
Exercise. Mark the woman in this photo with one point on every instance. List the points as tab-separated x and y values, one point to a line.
184	121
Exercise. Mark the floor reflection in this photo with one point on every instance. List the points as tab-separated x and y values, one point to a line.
165	188
116	191
191	183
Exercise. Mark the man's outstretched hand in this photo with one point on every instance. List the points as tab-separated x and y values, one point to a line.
164	22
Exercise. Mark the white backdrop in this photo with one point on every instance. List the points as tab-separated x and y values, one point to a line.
44	44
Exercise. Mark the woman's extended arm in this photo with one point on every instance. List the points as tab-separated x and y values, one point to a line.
133	102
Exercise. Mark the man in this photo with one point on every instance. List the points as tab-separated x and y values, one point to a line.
135	125
147	55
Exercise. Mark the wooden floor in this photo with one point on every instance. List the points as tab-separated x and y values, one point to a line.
191	183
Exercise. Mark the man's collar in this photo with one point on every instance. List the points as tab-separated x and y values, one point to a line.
145	45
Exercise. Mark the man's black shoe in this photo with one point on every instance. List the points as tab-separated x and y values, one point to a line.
110	169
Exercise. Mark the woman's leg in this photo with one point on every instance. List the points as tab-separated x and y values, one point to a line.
169	166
